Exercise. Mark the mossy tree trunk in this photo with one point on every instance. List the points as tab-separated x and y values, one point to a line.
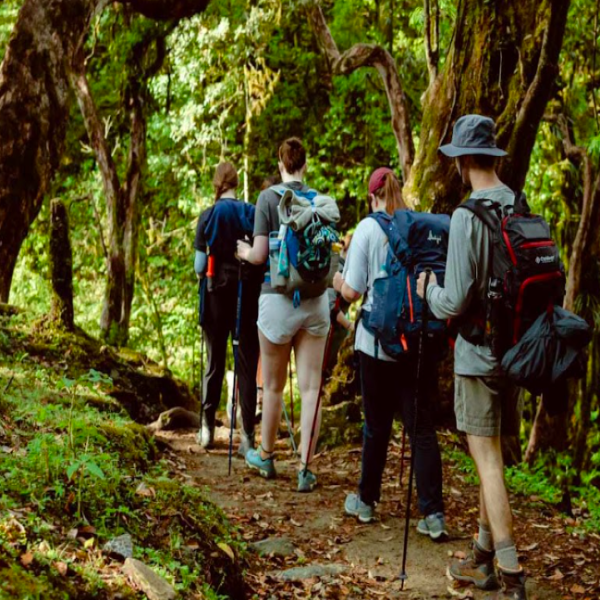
502	63
34	106
61	266
122	197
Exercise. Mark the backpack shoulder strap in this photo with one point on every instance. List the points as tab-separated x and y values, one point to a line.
487	211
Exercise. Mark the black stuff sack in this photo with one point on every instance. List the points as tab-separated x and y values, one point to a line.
550	352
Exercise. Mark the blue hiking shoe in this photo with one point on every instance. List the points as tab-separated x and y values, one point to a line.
306	482
264	466
434	526
355	507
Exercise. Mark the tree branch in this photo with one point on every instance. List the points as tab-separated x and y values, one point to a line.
431	49
368	55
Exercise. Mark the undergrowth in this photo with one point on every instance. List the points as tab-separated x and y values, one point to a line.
75	472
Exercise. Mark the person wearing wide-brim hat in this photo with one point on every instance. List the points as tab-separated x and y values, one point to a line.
487	405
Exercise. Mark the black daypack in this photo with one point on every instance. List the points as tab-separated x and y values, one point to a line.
526	274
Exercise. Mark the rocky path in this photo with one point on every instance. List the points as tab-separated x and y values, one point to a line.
307	548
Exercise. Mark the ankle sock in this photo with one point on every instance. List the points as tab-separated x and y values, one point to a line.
506	554
484	538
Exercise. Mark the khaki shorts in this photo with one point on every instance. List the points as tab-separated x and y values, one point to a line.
487	406
279	321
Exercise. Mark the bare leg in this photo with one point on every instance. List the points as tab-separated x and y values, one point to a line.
309	352
274	371
495	508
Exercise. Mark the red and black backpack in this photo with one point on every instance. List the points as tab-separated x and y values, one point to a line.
526	274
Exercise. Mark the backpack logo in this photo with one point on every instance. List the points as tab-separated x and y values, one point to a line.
544	259
434	238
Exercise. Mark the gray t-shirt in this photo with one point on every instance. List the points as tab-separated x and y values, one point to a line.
266	218
466	280
365	263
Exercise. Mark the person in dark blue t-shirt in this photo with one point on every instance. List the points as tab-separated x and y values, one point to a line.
219	228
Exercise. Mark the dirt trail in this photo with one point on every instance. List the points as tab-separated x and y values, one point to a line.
367	557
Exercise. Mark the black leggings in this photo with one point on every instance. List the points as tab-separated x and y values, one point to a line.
386	387
219	318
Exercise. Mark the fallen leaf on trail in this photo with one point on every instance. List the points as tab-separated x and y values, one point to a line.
145	491
385	526
460	555
26	559
62	568
577	589
556	576
530	547
460	594
227	550
295	523
72	535
89	543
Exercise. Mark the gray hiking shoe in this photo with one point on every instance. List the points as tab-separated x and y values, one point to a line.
264	466
247	443
355	507
477	568
434	526
306	481
206	435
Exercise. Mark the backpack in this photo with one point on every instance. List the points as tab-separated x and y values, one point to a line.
228	222
300	253
416	241
526	274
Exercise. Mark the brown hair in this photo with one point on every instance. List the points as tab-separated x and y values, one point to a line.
483	161
270	181
292	154
225	179
391	192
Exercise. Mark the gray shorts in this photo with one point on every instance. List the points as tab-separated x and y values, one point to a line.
487	406
279	321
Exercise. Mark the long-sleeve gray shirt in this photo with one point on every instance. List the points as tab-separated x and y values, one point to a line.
466	279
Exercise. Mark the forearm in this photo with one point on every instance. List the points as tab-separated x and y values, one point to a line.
200	260
350	294
446	303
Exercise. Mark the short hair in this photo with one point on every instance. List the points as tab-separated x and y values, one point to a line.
292	154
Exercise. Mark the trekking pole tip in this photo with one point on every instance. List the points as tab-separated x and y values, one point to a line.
403	577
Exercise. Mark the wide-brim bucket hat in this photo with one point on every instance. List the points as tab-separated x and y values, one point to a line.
473	134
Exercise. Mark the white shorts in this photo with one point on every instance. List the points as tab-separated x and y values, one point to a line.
279	321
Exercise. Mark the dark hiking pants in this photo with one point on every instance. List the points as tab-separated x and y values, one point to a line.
386	388
219	325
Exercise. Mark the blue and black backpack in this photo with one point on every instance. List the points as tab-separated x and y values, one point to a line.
417	241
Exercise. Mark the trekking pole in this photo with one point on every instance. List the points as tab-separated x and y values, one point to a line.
235	343
201	289
422	338
315	418
291	390
402	453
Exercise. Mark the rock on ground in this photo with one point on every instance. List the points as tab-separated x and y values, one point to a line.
317	570
153	585
275	546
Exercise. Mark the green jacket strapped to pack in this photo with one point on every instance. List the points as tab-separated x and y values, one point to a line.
300	252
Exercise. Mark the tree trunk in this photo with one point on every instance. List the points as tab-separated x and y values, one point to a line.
501	63
34	111
61	266
34	106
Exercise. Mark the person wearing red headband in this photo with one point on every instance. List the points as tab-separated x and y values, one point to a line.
387	385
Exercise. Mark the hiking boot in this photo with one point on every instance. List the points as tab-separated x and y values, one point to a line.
246	443
477	568
355	507
513	586
307	481
434	525
264	466
206	435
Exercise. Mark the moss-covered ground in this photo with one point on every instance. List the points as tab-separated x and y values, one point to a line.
76	471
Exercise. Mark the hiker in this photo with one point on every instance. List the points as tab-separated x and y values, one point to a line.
219	228
341	325
285	322
388	384
487	405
